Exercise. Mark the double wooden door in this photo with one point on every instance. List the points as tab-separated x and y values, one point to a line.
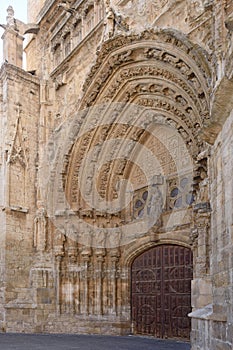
161	292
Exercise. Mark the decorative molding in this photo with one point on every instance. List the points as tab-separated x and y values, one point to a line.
18	150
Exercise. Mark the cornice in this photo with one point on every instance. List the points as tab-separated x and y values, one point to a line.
9	69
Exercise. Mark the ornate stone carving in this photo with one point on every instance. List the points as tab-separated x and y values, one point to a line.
180	192
109	22
194	237
18	148
59	240
136	10
40	229
201	182
198	11
188	88
10	17
113	23
167	36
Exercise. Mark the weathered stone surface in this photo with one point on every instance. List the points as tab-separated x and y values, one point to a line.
118	137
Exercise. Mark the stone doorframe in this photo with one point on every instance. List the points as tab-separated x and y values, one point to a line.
137	249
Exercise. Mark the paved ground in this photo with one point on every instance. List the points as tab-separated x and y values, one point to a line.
85	342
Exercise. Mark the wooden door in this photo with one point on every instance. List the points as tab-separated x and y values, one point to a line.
161	292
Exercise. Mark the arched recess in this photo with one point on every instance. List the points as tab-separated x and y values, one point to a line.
161	291
147	94
157	79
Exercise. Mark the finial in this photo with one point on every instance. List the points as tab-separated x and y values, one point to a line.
10	16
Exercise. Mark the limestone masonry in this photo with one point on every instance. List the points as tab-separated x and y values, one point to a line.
116	163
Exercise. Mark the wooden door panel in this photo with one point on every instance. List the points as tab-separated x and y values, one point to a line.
161	292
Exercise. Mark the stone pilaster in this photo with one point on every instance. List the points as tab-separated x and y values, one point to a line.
200	237
98	274
85	254
114	259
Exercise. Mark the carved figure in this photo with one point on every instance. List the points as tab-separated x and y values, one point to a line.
202	196
109	21
40	229
10	17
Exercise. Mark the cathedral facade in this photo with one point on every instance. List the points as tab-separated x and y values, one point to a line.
116	169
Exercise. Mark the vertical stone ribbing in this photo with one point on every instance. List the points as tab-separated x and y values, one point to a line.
98	276
85	276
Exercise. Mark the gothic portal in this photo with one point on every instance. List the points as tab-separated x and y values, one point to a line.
115	169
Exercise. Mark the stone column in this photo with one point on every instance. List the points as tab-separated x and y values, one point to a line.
71	284
200	235
114	259
77	290
96	5
100	254
58	260
59	253
98	11
201	284
72	252
85	254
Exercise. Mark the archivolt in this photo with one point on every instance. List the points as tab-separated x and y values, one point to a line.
159	71
161	56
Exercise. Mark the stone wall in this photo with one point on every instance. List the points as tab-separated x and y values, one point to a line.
212	323
212	285
3	131
34	7
19	151
59	276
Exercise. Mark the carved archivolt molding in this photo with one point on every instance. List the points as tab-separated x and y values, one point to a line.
162	65
159	70
156	79
161	42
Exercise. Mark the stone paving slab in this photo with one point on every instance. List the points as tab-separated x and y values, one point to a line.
85	342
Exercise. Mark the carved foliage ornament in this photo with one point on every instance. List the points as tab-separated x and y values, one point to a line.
166	36
175	61
18	150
